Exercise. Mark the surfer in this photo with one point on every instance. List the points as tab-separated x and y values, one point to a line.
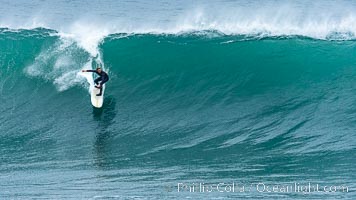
103	78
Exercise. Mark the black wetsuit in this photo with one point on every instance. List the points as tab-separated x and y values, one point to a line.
103	78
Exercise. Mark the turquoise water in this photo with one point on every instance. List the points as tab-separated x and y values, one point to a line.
193	105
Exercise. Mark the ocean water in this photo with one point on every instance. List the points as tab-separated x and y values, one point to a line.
208	99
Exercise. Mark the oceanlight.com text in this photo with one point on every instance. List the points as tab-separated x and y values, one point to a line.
260	187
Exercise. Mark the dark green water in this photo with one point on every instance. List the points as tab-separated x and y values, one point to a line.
179	110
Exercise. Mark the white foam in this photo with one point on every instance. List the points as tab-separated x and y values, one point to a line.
320	20
284	20
87	76
67	80
57	65
87	36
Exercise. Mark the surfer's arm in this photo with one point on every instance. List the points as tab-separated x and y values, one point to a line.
88	70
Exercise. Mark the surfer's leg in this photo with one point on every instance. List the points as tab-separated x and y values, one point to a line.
98	85
101	86
101	90
96	81
102	82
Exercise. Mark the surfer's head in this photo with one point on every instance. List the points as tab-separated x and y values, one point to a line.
98	69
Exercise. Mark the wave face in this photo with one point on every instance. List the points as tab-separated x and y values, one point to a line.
190	107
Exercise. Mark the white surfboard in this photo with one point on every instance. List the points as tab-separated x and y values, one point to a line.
97	101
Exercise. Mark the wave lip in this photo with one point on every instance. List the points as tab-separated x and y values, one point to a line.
91	42
322	20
